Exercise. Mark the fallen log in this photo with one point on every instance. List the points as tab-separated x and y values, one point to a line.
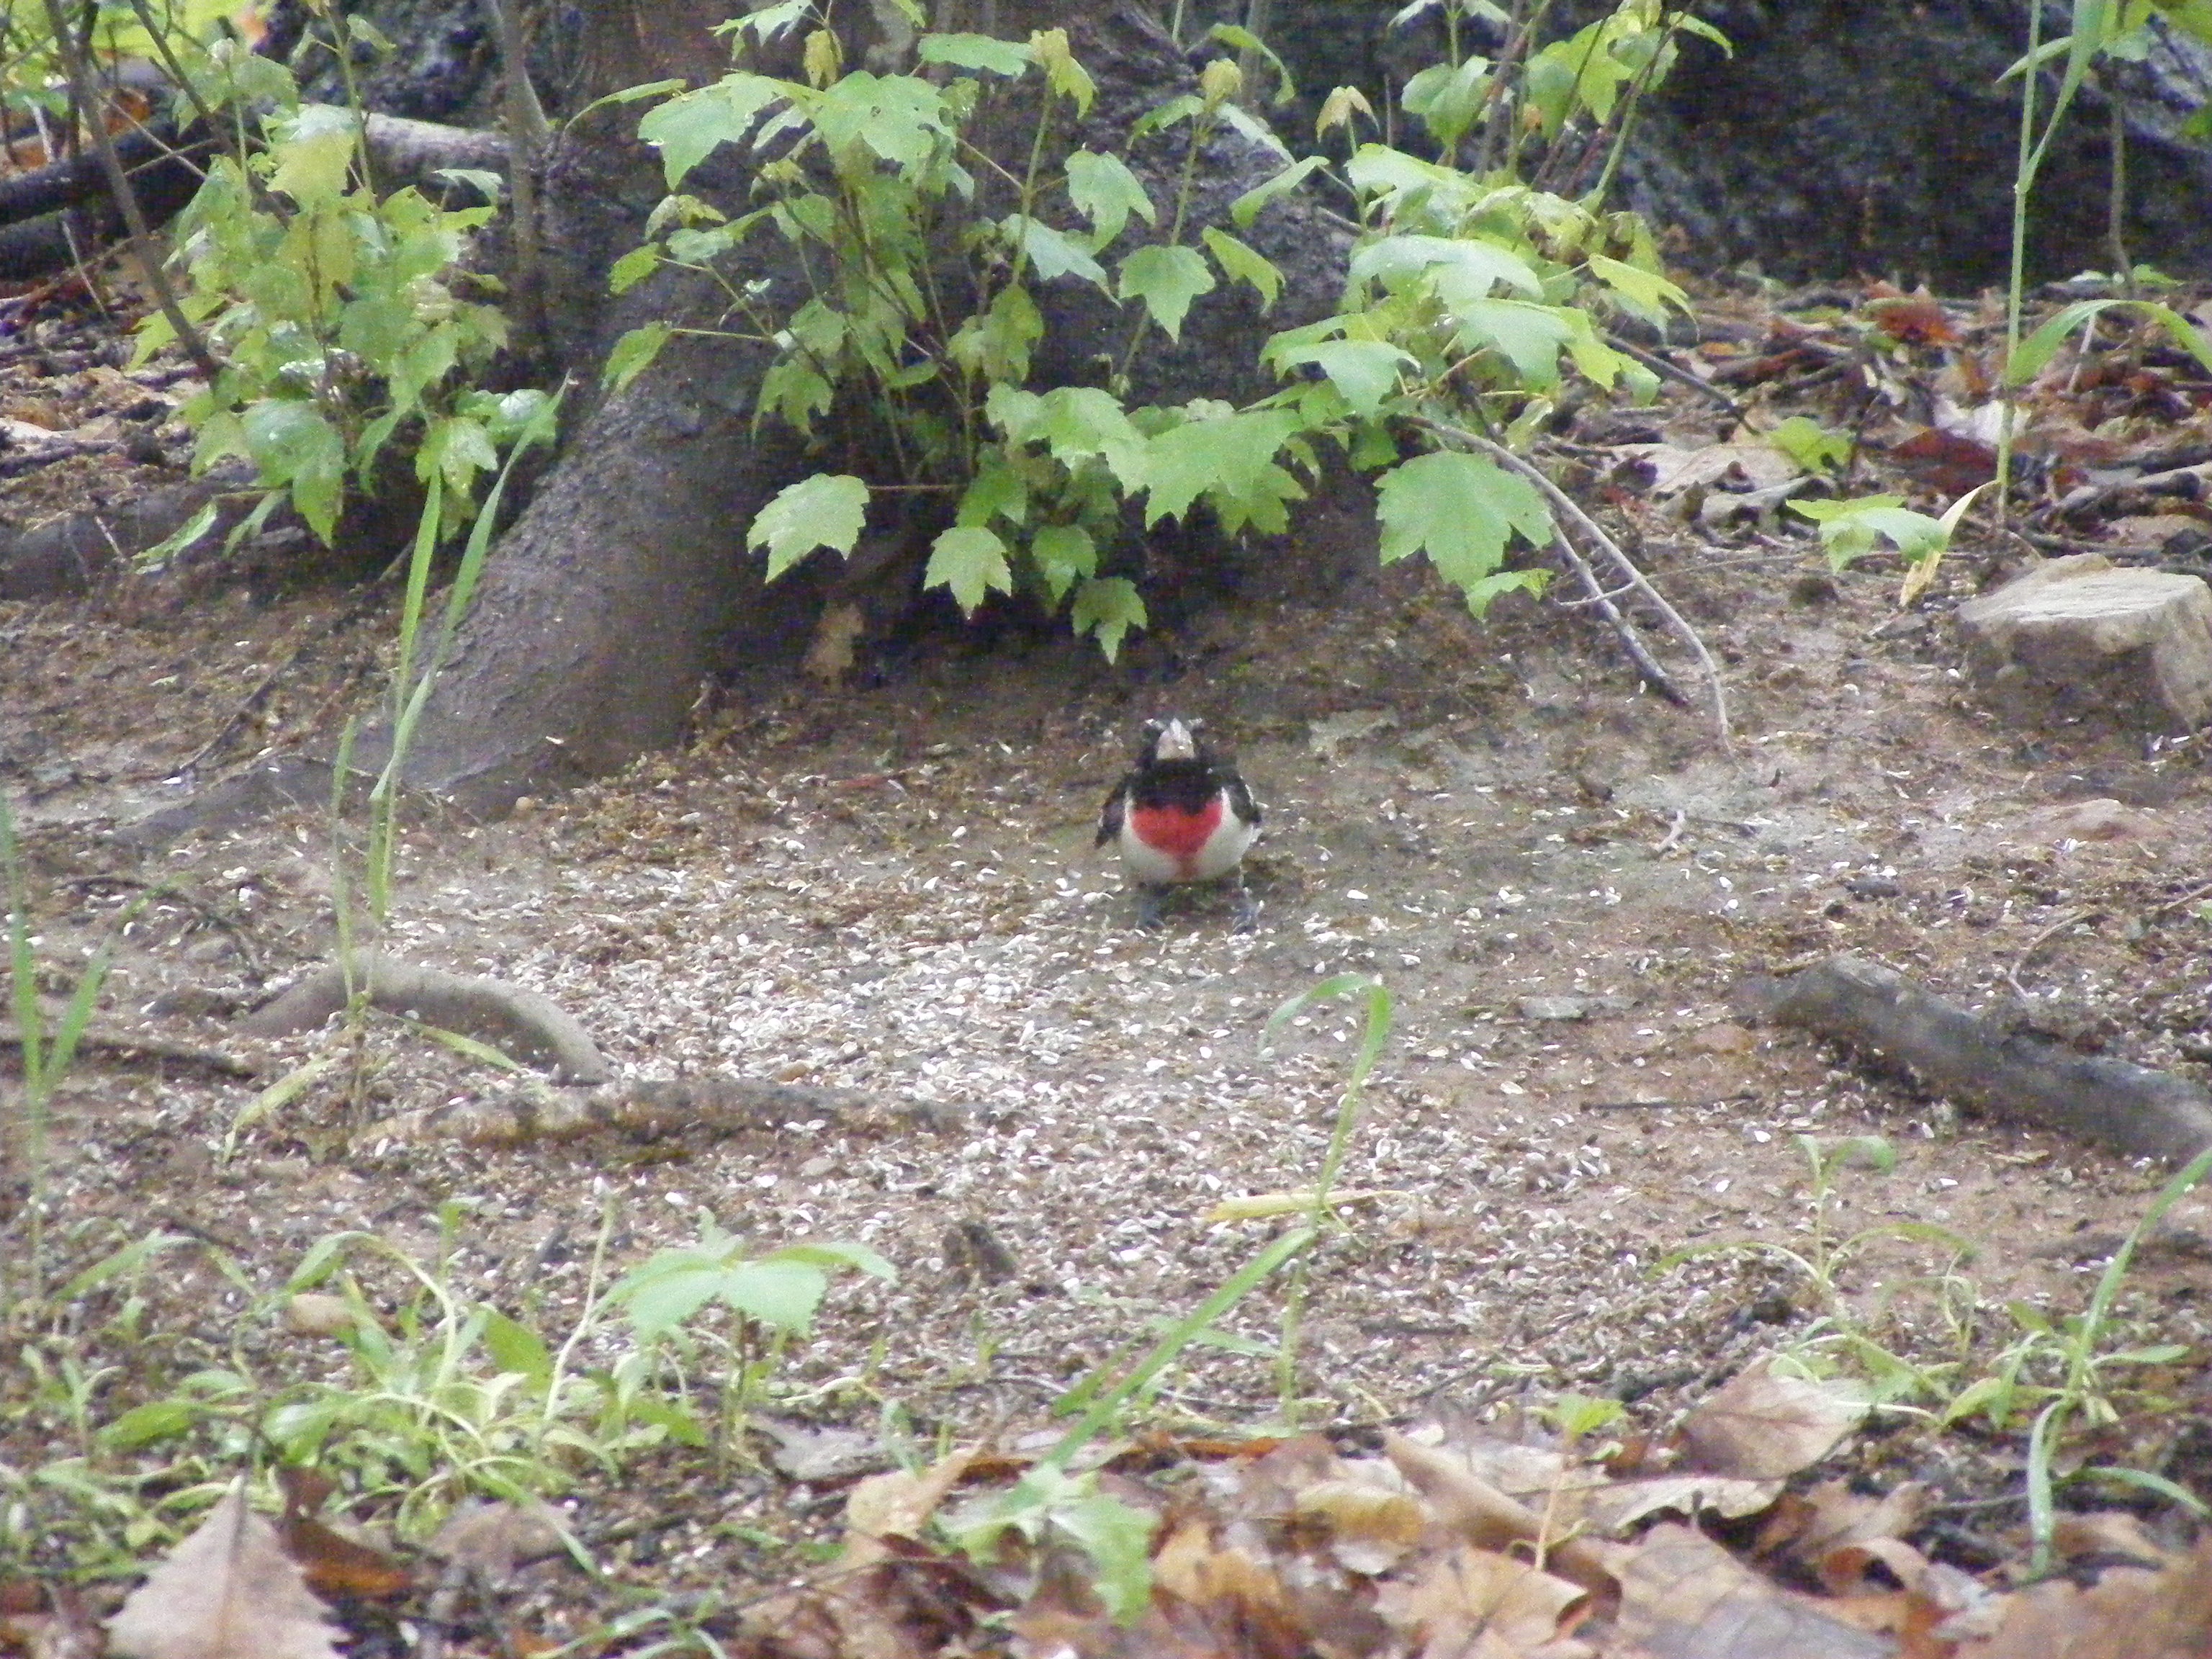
1989	1063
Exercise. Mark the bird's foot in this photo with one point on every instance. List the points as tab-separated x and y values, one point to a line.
1149	900
1247	907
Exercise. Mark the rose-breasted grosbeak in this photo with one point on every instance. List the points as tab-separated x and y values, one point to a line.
1181	814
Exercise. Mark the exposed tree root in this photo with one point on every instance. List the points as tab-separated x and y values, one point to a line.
525	1024
1989	1063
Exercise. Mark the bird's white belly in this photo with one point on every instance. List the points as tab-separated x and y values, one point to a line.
1220	853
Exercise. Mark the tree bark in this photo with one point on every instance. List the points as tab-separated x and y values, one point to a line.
604	606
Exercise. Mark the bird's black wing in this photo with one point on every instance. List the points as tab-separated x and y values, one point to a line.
1109	815
1240	800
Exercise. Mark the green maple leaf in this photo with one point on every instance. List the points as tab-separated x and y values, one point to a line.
1462	511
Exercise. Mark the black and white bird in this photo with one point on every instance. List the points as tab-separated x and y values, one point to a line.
1181	814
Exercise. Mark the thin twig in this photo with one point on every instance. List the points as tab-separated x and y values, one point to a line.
160	37
2012	974
528	136
126	199
97	1039
1672	371
1602	601
1567	505
2189	898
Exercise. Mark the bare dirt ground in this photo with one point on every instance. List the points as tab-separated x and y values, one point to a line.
891	890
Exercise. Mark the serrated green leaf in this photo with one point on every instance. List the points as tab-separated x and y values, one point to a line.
1052	252
1462	511
1448	97
1811	444
1255	130
971	562
1230	461
1167	279
1063	73
292	443
1527	336
900	118
780	1294
1117	1537
795	390
313	149
997	346
1365	371
974	51
1107	608
686	130
633	354
633	268
1161	116
997	491
1103	190
1240	262
1463	269
1064	554
1239	39
1246	208
1646	292
1012	411
1850	529
827	509
1075	422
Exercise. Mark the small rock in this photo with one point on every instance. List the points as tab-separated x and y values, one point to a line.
1325	737
2076	639
312	1313
2103	819
1726	1038
1552	1007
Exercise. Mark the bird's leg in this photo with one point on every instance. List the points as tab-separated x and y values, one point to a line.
1247	907
1149	900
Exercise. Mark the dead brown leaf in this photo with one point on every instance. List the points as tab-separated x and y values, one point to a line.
1370	1526
1912	319
1807	1526
897	1504
1469	1594
34	1626
335	1564
493	1539
1684	1597
1487	1518
228	1592
1762	1426
2125	1613
1613	1508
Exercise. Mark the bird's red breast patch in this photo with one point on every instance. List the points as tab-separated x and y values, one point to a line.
1174	832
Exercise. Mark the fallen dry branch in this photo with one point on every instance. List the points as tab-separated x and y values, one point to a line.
97	1040
525	1024
656	1108
1985	1062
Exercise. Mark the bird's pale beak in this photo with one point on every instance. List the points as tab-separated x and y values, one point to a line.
1175	742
